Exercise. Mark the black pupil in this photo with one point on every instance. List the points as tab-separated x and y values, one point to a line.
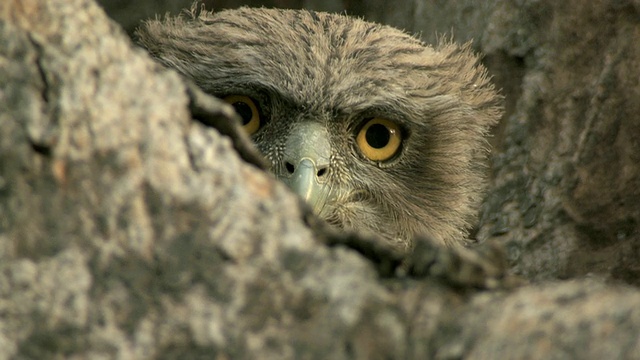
378	136
244	110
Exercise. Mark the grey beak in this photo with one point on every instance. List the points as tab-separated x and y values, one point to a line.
307	155
305	180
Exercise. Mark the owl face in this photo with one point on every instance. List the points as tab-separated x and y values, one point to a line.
379	132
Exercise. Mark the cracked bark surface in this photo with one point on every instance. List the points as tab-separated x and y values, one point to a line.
134	222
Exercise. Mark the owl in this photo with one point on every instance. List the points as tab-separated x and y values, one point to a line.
379	132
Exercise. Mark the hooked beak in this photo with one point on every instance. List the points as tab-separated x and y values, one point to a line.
307	154
306	184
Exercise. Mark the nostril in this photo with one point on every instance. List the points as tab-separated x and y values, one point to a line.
290	168
322	171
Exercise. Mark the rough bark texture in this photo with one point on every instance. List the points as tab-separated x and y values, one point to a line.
130	227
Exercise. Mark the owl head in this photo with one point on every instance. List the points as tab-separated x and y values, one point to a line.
379	132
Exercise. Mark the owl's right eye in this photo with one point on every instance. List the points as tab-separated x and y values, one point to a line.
248	111
379	139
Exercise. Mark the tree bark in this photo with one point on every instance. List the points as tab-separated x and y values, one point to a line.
135	221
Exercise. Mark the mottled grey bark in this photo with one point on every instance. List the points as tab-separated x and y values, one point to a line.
566	199
131	227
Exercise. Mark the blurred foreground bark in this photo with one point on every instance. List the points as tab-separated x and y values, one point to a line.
129	230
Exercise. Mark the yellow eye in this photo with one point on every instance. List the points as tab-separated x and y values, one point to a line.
379	139
248	111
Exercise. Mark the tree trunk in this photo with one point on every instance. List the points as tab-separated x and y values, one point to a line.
135	221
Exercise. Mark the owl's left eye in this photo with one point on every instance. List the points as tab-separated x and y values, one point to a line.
379	139
248	111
